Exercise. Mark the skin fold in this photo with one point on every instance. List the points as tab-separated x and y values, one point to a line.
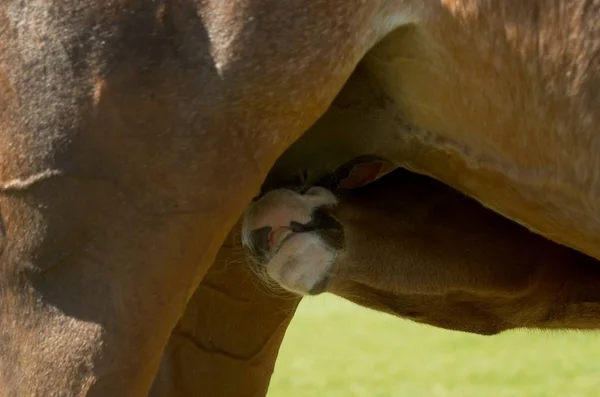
207	355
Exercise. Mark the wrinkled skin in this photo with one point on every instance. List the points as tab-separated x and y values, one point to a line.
227	341
133	134
410	246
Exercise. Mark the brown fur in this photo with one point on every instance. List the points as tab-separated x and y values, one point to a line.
417	249
158	121
420	250
206	354
150	168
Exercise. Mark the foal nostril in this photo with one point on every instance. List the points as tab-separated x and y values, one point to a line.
298	227
259	240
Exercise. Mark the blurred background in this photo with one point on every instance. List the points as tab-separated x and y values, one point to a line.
336	349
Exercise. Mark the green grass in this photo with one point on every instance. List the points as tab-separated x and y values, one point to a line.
336	349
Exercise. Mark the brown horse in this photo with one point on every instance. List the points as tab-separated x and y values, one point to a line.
410	246
134	133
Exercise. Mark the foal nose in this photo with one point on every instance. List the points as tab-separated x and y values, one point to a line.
258	241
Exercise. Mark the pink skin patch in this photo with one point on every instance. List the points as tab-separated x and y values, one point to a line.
302	262
277	236
277	209
364	173
299	262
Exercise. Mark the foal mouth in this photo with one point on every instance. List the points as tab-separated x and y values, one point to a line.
262	243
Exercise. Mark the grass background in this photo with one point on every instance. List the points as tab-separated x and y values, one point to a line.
334	348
